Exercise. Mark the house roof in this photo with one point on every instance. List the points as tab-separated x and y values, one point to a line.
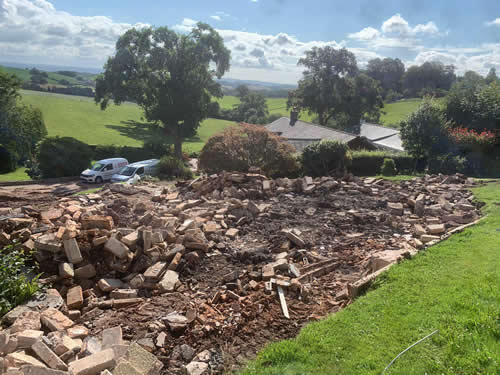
375	132
302	130
392	142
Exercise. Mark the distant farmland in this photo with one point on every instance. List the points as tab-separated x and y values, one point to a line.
81	118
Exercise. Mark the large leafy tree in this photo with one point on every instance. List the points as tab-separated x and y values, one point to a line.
389	72
170	75
430	77
333	88
21	126
474	105
424	131
252	108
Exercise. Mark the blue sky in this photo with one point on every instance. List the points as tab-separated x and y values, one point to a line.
266	37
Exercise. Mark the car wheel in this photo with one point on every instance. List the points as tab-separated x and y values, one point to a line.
98	180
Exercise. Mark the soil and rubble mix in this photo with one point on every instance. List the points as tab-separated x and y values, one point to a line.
196	278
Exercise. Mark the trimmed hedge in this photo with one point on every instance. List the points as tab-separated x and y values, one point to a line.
63	157
369	163
325	157
388	168
132	154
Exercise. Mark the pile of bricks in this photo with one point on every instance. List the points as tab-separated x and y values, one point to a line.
118	248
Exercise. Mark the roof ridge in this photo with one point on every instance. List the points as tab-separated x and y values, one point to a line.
321	126
381	126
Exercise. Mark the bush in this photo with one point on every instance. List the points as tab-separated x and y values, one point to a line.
325	157
63	157
240	147
388	168
15	286
369	163
448	164
170	167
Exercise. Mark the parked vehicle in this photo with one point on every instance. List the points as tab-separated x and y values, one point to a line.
140	168
103	170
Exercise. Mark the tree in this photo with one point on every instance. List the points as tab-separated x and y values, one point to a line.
170	75
242	90
252	109
491	76
21	126
389	72
474	105
424	133
333	87
430	77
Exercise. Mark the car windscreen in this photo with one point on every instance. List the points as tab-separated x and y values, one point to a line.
97	167
128	171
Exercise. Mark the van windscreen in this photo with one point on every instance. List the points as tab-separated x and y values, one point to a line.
97	167
128	171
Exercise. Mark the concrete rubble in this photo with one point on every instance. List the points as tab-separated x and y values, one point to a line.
185	279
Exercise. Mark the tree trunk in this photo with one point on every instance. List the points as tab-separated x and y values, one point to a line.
177	142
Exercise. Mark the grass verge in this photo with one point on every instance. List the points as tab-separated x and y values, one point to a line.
18	175
453	287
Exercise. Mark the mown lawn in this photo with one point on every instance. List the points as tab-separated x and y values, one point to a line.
81	118
394	113
453	287
18	175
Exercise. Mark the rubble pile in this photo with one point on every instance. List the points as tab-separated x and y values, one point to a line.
190	279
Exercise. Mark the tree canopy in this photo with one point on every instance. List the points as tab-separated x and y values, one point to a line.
21	126
429	78
389	72
424	133
333	87
170	75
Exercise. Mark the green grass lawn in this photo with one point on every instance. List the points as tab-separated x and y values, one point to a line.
453	287
18	175
398	111
81	118
53	77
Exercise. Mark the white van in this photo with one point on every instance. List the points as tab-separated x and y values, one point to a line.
141	169
103	170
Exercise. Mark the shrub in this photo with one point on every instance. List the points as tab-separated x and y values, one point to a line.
448	164
15	286
325	157
471	140
424	132
170	167
61	157
369	163
388	167
240	147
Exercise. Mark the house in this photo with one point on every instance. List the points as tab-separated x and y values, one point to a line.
364	136
300	134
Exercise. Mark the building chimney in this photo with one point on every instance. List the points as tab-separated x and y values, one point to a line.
294	116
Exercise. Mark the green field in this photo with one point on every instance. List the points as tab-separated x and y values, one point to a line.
394	113
453	287
54	78
81	118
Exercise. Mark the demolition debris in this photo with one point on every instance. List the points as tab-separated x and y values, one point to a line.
195	278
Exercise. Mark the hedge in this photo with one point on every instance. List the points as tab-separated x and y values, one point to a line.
132	154
369	163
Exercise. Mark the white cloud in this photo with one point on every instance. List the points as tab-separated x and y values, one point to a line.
368	33
254	1
395	32
186	25
495	22
36	30
217	18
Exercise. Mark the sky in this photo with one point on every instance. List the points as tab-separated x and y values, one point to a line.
266	37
